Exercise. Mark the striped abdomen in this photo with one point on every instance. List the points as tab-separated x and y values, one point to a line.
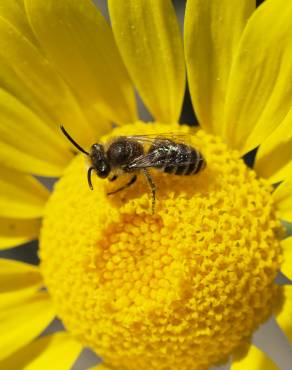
176	158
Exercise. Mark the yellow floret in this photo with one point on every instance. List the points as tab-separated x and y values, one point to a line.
180	289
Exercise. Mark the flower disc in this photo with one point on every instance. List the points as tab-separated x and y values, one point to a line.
178	289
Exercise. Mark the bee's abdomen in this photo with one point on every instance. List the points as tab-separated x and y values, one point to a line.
187	161
178	159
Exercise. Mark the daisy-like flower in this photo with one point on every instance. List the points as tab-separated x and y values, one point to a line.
183	288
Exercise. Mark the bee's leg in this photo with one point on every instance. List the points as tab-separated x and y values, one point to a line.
131	182
152	186
113	178
89	172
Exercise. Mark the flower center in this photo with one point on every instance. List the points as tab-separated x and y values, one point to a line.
178	289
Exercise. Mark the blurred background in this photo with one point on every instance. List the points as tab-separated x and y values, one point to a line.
268	337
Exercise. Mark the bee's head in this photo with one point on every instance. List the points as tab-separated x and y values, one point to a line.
99	160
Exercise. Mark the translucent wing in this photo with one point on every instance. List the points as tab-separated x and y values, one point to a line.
165	154
177	137
144	161
148	140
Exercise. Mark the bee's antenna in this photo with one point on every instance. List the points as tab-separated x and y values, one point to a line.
73	141
89	177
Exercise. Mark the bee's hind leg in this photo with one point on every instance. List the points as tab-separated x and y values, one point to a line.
131	182
152	186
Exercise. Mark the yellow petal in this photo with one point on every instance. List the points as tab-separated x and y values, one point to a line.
260	85
12	12
57	351
286	266
14	232
212	32
284	316
274	157
26	142
18	281
283	200
21	324
255	359
21	196
27	74
78	39
147	34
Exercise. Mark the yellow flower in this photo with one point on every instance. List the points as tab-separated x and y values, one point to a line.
185	287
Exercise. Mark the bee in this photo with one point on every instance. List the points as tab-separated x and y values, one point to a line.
133	154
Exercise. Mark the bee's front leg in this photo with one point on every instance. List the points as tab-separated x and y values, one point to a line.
133	179
113	178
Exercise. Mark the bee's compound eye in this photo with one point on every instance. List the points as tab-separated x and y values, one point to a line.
99	160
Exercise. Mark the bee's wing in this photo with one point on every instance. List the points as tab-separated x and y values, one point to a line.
153	159
148	140
177	137
144	161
